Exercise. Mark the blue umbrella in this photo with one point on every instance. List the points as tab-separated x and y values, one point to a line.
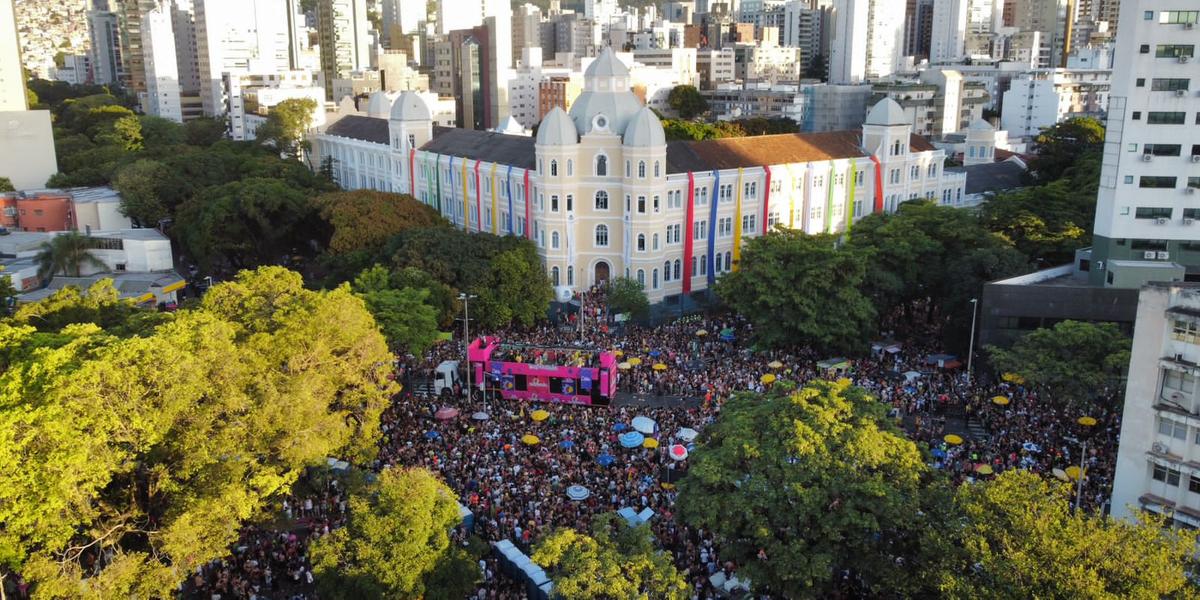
631	439
655	353
619	427
605	459
432	435
567	444
938	453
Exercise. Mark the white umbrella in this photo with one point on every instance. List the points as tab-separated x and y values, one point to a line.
480	416
578	492
644	425
687	434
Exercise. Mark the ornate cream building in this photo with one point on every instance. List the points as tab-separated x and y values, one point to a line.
602	193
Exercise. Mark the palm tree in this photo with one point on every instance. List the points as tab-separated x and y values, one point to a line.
67	253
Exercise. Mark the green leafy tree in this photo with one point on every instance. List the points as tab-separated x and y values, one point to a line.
687	102
516	291
441	297
159	134
6	185
787	280
149	191
1020	539
679	129
1059	146
125	133
244	223
817	68
616	561
405	318
814	492
125	476
366	219
286	124
100	304
626	295
1072	360
397	535
67	253
204	132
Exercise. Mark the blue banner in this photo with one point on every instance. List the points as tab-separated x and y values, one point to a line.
495	370
585	380
508	382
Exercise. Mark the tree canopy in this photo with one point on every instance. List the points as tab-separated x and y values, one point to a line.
286	125
364	220
404	316
626	295
786	283
125	476
1073	360
1059	146
398	533
803	486
68	254
616	561
687	102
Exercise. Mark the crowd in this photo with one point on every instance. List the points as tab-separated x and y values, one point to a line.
516	485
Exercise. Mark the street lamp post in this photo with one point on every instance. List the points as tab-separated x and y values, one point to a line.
466	299
1086	423
971	347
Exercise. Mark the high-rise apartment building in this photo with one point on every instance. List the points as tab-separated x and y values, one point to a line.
868	39
160	61
400	18
12	80
948	42
27	155
1149	200
918	28
104	32
345	48
239	36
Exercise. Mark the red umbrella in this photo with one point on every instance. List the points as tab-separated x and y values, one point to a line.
678	452
445	413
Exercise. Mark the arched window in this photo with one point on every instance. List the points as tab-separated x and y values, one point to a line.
655	241
896	148
717	262
570	275
554	168
656	168
601	166
654	274
554	240
667	271
728	261
554	275
641	242
601	200
641	277
570	167
641	169
570	202
656	204
641	204
628	173
602	236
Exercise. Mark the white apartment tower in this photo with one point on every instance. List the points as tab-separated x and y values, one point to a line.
948	41
1158	454
12	80
400	18
1149	200
868	39
162	96
239	36
345	48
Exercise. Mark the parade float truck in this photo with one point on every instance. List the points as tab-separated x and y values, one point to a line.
570	375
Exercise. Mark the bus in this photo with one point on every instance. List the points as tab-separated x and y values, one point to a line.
565	374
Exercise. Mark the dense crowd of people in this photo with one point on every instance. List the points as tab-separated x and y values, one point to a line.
512	471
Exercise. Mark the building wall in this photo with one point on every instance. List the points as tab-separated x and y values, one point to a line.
160	59
27	155
40	212
12	80
948	42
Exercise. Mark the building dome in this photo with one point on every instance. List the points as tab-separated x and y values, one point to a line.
981	125
557	129
606	98
378	105
410	107
887	113
645	130
606	65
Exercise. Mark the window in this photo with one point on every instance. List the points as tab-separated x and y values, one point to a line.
601	166
704	264
1172	428
1194	484
554	203
656	204
1141	82
1162	149
667	271
1155	117
656	172
642	204
626	202
554	168
700	230
570	202
1148	15
1193	182
701	197
1148	245
641	169
1184	331
641	242
717	263
554	275
627	172
554	240
748	223
602	236
1168	85
601	200
412	141
570	275
1156	181
654	279
674	234
1144	49
1166	475
1179	17
896	148
641	278
728	261
1174	50
1137	115
915	172
654	245
724	227
570	167
1192	213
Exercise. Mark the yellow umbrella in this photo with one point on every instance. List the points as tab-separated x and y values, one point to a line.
530	439
953	439
668	486
635	361
1086	421
767	378
984	469
650	443
623	366
1073	472
618	353
1013	378
539	415
775	364
1000	400
701	333
659	367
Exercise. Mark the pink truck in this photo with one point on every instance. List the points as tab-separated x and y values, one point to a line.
541	373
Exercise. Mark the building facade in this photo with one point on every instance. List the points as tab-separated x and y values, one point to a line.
1158	460
602	193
